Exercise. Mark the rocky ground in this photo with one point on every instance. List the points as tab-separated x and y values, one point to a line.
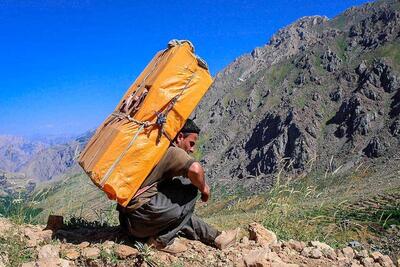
60	245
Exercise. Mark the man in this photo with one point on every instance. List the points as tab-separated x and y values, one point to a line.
163	207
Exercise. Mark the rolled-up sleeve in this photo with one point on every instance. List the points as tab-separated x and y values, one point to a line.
179	162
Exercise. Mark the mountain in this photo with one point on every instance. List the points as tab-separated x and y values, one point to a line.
41	158
16	151
321	95
56	159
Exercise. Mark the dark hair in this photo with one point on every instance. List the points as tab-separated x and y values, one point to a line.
190	127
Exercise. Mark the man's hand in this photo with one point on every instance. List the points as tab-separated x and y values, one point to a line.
205	194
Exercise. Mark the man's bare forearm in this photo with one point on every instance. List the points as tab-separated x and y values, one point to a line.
196	176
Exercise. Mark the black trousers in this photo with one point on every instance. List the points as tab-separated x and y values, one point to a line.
169	214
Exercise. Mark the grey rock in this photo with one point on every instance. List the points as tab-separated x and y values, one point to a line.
375	148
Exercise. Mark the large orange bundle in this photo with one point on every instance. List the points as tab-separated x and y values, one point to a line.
133	139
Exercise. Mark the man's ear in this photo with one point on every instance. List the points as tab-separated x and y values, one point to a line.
179	137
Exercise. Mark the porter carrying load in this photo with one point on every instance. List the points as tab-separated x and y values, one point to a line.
133	139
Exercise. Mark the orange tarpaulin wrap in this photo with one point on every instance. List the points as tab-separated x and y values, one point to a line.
133	139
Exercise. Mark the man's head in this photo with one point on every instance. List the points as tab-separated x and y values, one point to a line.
187	137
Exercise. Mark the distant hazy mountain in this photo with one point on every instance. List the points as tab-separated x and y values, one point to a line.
16	151
40	157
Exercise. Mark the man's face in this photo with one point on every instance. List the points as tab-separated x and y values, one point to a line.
187	141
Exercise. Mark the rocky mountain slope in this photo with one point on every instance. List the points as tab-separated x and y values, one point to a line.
322	94
80	245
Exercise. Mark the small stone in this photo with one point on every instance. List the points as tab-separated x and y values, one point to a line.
354	244
275	247
329	253
84	244
91	253
376	255
315	253
245	240
124	251
48	251
108	244
296	245
362	254
367	262
348	252
320	245
256	258
46	235
261	235
71	254
306	251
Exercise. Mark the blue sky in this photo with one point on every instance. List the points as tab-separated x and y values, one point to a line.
66	64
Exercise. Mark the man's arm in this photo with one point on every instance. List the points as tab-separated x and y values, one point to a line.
196	176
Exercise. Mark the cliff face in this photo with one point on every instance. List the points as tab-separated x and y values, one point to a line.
322	94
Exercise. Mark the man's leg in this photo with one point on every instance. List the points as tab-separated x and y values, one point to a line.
197	229
165	214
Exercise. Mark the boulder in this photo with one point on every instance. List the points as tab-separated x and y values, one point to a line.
261	235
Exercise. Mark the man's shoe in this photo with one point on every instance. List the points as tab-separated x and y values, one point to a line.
226	238
175	247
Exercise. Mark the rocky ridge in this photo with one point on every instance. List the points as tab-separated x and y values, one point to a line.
321	94
106	246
